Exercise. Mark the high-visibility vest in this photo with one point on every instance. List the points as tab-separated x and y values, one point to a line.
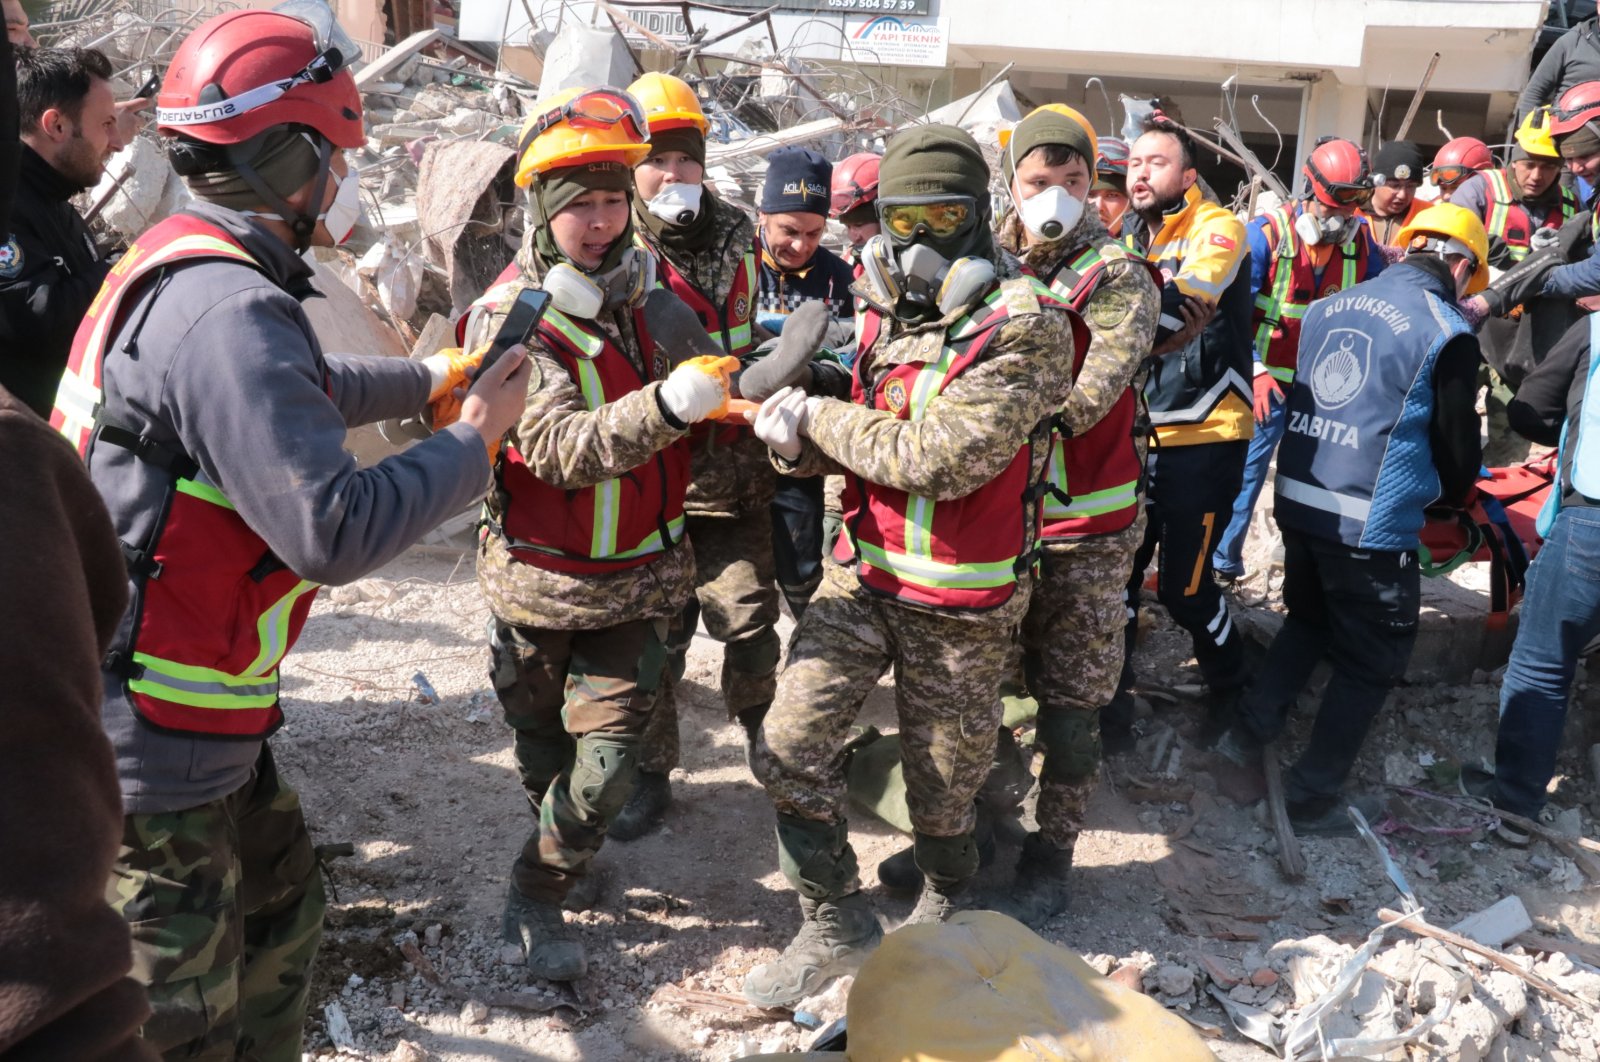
618	523
962	553
1093	479
1510	220
729	325
215	611
1292	286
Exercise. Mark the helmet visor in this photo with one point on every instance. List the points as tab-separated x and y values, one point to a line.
329	34
1447	175
942	217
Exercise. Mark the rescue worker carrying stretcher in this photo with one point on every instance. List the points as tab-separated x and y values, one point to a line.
962	359
213	425
582	559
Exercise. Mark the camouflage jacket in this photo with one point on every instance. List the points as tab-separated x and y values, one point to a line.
568	446
1121	314
725	478
971	430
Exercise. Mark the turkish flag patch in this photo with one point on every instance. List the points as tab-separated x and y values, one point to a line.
1222	241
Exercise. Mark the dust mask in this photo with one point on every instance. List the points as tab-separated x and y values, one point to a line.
1050	214
677	203
344	213
1335	230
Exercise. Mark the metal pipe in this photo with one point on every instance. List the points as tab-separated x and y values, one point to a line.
1416	100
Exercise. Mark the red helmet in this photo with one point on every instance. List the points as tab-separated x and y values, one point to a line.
1111	157
244	72
1338	173
855	183
1577	106
1458	159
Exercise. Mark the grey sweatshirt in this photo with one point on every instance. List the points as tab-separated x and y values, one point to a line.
227	369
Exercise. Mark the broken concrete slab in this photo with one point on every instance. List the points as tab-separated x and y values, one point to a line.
1496	924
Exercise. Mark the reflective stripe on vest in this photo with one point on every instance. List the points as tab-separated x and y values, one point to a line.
619	536
1277	336
1105	450
1502	200
78	395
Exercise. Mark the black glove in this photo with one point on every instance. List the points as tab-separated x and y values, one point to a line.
1499	253
1521	282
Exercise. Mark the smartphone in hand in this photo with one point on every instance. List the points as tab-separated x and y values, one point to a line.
523	318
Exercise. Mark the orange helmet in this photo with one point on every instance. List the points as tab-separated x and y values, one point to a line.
1338	173
244	72
669	103
855	183
1577	106
577	126
1458	160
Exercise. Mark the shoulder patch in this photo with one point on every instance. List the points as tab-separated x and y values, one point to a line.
1107	309
1021	295
11	259
1111	251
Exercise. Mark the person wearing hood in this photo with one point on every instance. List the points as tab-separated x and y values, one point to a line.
963	359
1300	252
1397	169
213	425
705	251
584	565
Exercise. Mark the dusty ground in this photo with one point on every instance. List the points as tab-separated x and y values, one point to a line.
426	791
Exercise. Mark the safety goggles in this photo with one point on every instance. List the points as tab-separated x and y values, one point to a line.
1445	176
847	199
595	109
937	216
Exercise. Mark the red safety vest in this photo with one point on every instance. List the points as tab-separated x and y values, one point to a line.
1093	479
961	553
215	609
730	326
1292	287
617	523
1509	219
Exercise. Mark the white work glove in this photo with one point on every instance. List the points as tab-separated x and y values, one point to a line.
782	420
691	394
1544	237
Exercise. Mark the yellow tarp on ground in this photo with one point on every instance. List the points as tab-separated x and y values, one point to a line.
985	988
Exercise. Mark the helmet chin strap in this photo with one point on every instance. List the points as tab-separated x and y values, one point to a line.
301	223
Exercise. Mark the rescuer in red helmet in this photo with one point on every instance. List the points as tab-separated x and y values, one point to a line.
213	425
1455	162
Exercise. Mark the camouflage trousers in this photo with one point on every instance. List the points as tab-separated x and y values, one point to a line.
737	596
1504	446
1072	649
578	702
225	903
947	672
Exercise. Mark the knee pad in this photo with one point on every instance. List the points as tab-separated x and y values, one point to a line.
816	857
603	771
754	656
1071	741
946	861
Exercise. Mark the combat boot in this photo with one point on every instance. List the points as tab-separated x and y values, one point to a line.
834	940
1041	890
649	801
552	947
899	873
750	722
937	903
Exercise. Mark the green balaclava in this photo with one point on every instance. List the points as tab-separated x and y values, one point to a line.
698	234
929	161
282	157
1038	129
555	190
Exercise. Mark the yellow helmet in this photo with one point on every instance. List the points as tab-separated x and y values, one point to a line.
1533	135
577	126
1442	225
669	103
1061	109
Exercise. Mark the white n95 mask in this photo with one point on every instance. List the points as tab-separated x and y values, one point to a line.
1050	214
676	204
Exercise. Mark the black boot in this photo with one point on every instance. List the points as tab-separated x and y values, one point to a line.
1041	889
899	872
651	796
